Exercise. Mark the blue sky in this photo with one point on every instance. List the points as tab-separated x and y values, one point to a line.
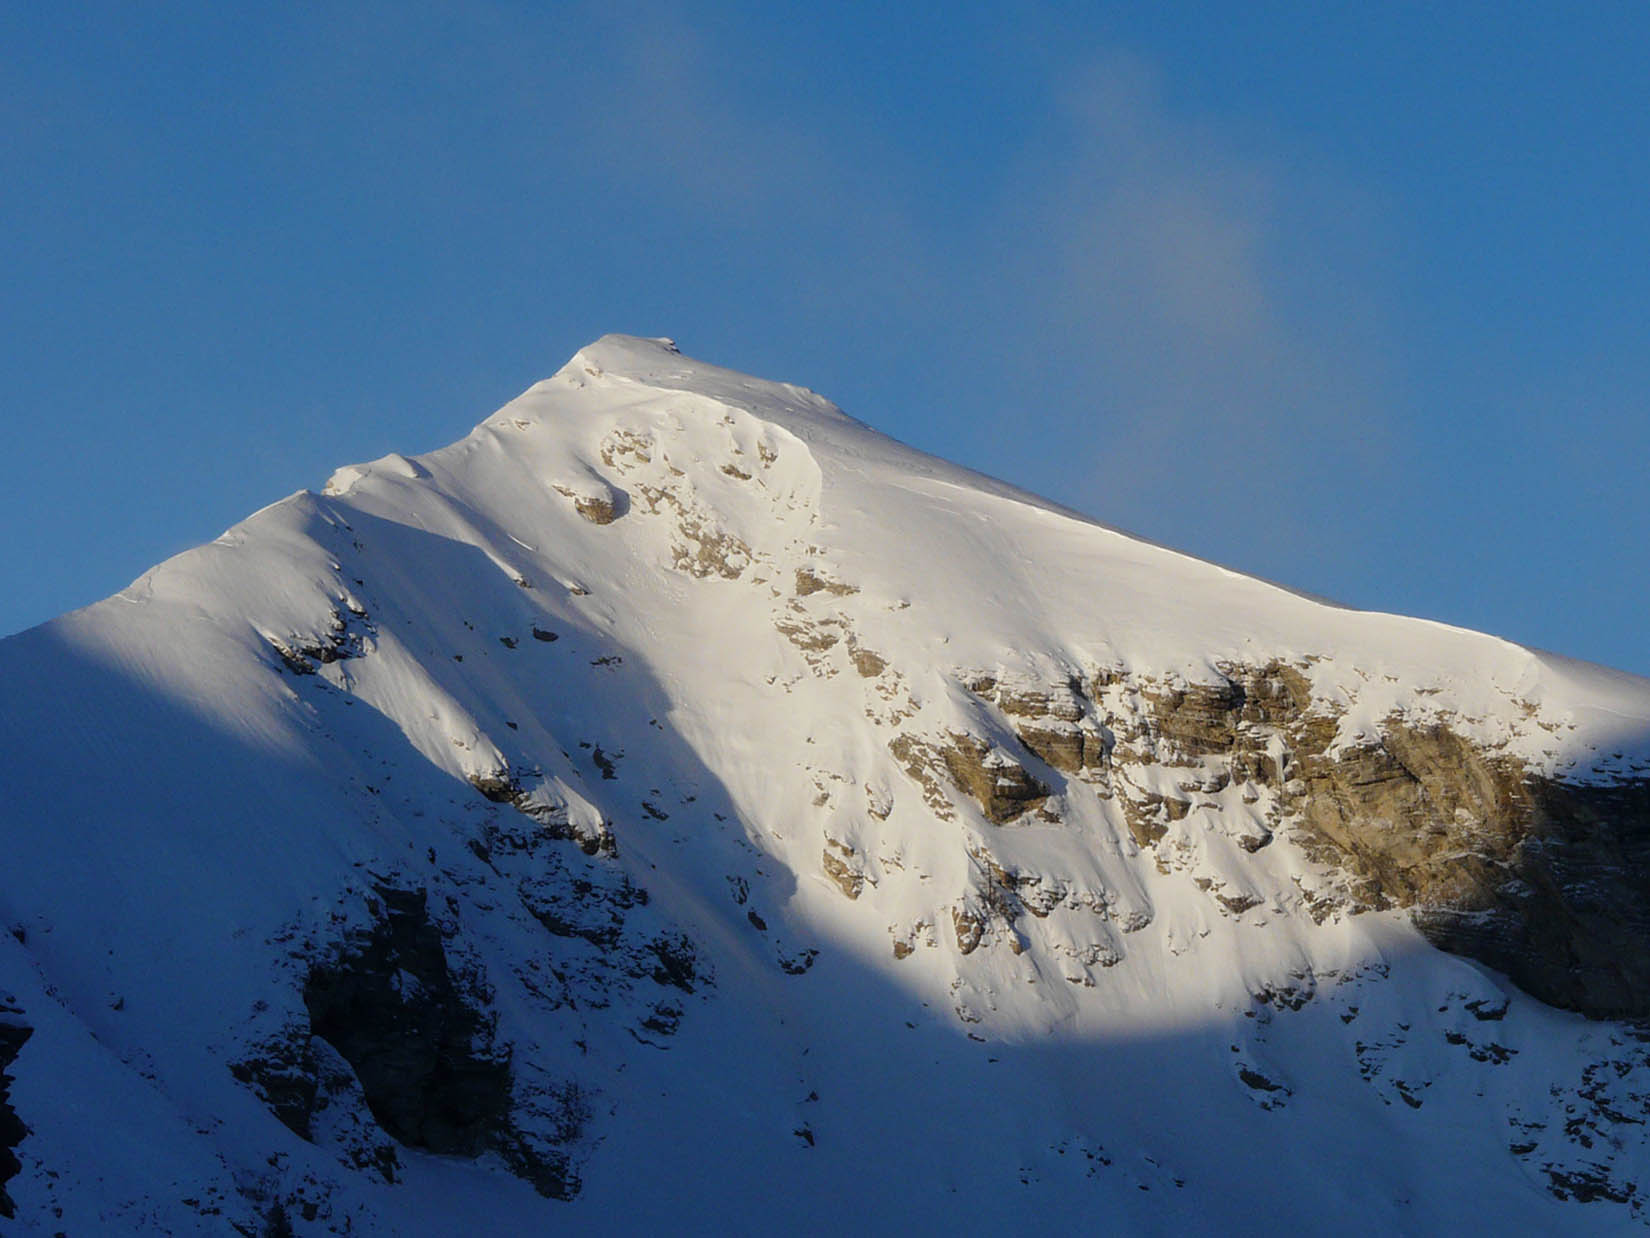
1354	300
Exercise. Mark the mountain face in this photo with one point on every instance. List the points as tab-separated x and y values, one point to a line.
677	806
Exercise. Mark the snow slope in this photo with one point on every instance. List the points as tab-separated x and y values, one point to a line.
681	722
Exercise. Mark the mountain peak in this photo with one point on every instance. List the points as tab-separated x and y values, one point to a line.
674	764
627	356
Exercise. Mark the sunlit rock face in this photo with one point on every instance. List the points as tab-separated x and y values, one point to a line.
676	806
1544	879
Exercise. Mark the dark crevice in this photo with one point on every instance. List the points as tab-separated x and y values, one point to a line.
12	1131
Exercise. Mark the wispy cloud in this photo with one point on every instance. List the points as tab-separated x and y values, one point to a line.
1211	306
1192	310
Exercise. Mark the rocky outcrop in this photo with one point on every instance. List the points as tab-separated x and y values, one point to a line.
347	633
809	582
1149	814
1004	789
867	662
422	1045
503	786
599	504
701	548
13	1035
423	1051
1545	880
1049	721
1559	897
699	544
844	866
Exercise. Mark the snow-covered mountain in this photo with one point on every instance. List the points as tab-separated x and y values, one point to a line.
676	806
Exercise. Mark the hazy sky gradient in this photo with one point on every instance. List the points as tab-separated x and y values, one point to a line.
1357	302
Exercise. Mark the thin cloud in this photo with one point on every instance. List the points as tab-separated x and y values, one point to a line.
1214	308
1192	312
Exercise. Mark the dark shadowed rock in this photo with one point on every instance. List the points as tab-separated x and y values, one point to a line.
422	1046
13	1035
422	1050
